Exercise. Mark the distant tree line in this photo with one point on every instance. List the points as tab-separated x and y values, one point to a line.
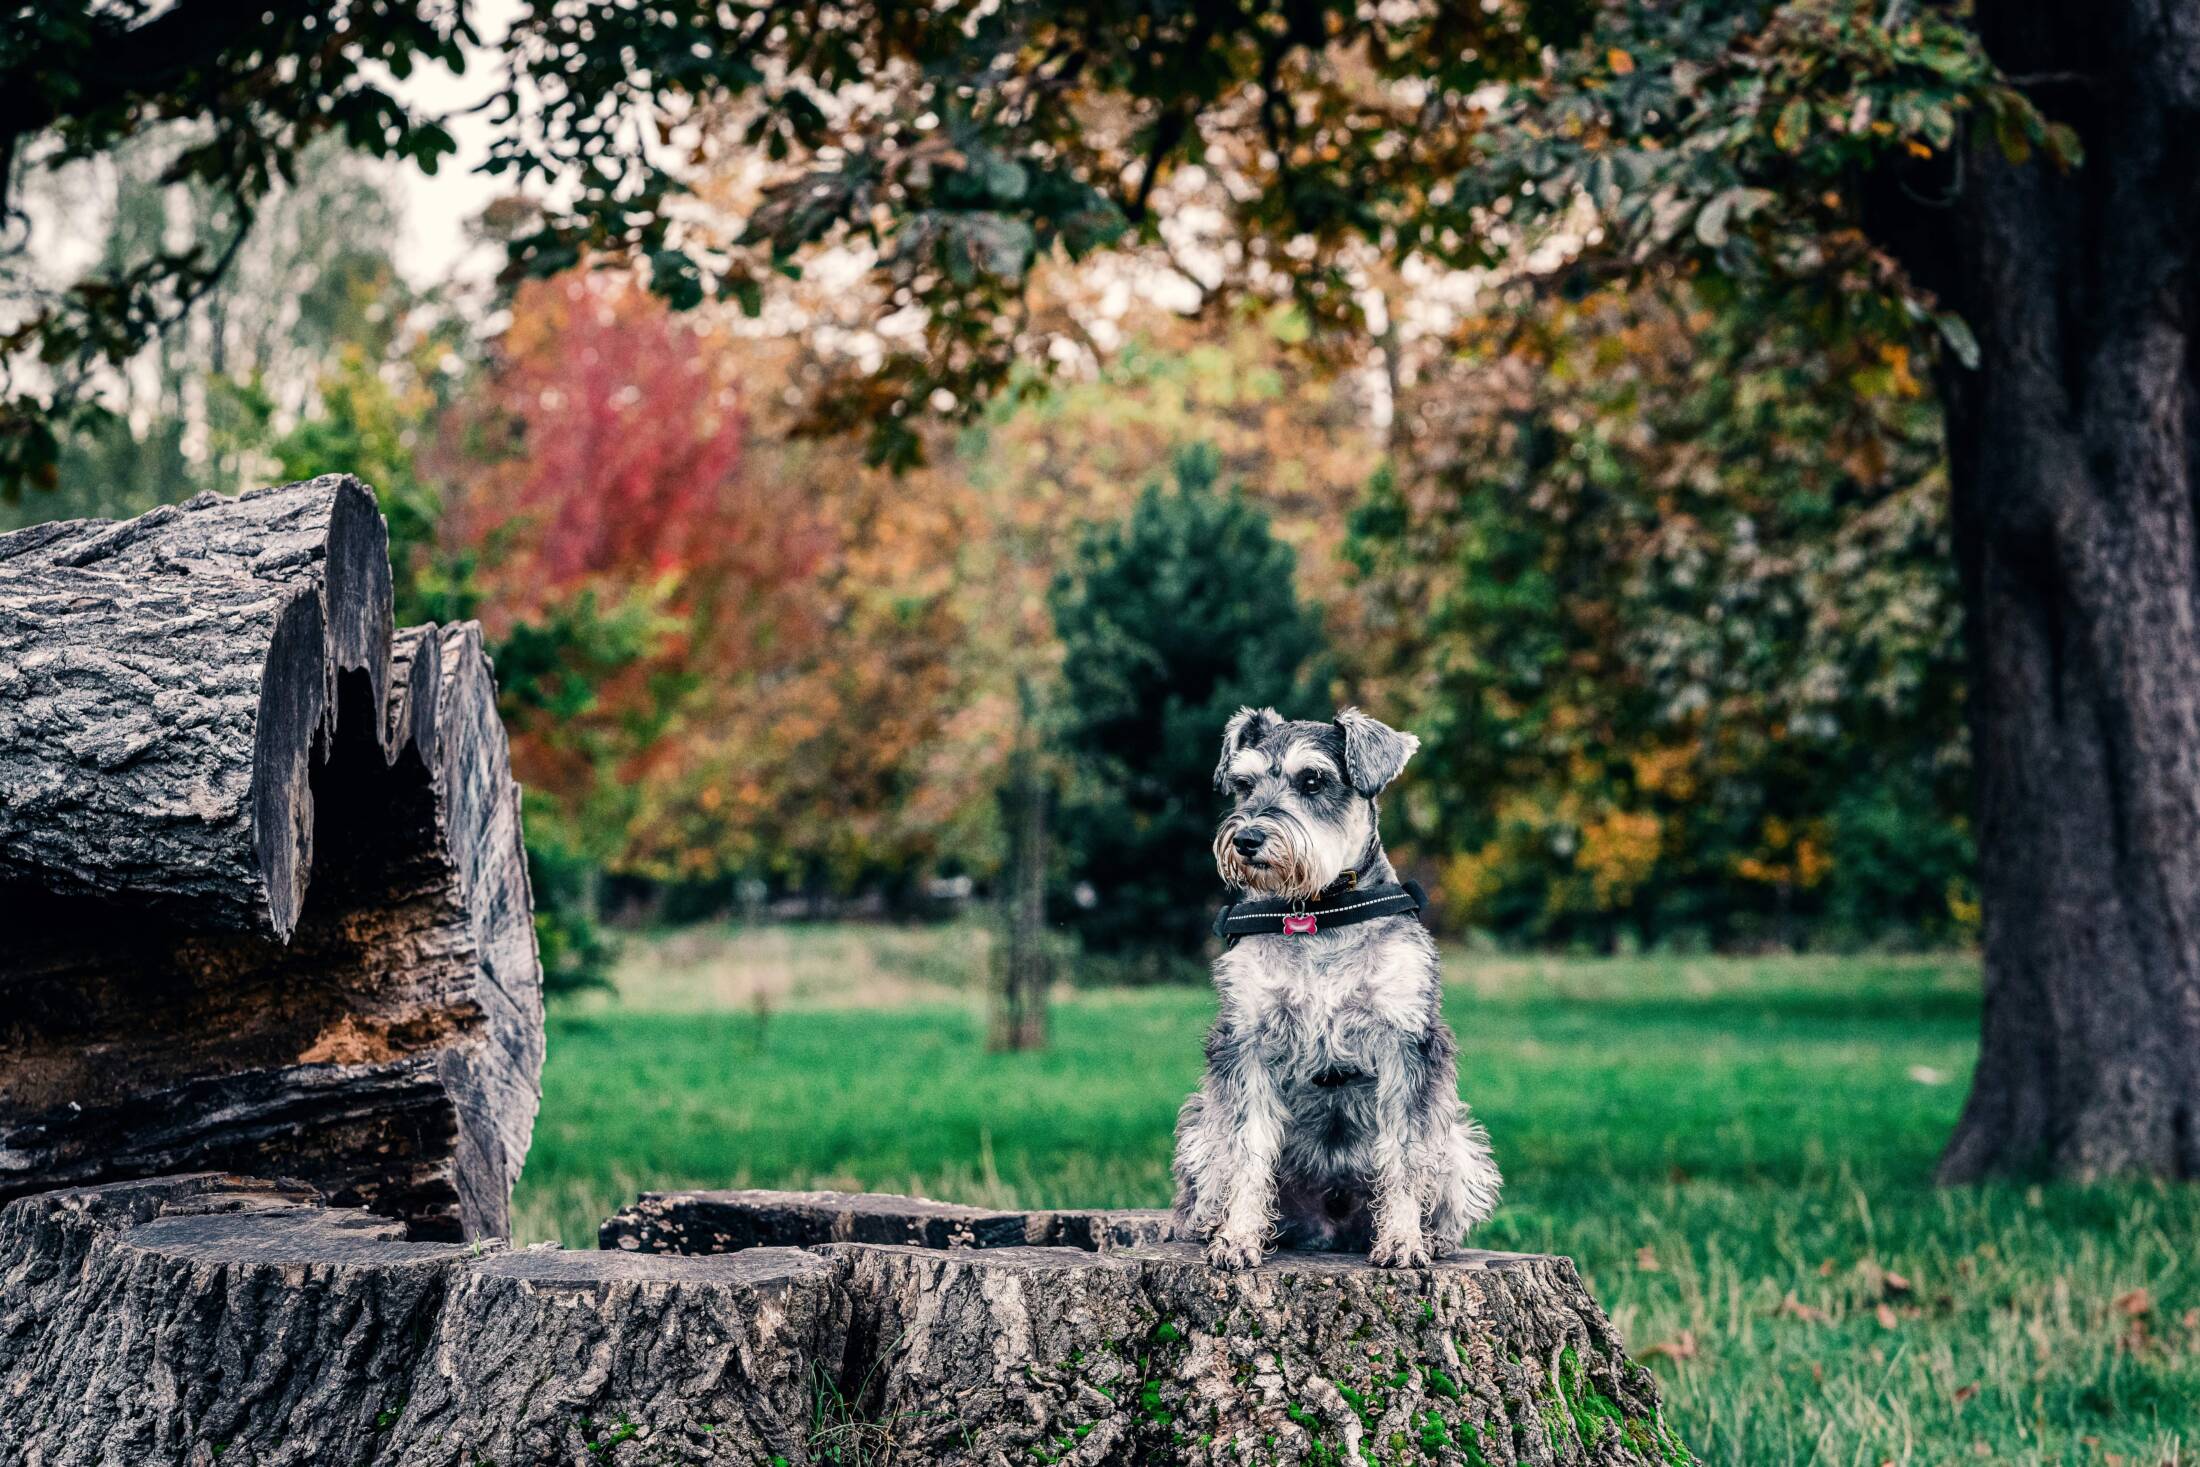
1662	584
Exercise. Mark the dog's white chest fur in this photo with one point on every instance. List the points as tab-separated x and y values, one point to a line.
1328	1000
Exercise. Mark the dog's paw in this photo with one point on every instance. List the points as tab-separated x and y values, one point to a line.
1400	1250
1231	1254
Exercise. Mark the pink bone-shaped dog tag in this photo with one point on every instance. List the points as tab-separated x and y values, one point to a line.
1298	924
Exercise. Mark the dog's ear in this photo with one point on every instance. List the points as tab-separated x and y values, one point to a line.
1374	752
1247	727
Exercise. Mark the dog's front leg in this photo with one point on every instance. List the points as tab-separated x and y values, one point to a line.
1401	1240
1255	1118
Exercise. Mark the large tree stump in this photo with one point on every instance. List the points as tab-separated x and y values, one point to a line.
189	1318
1150	1355
260	866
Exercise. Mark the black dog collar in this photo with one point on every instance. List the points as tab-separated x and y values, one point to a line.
1274	916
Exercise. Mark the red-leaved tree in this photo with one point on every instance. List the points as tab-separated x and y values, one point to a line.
624	564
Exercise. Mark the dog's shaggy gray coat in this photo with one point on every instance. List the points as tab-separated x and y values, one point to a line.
1330	1113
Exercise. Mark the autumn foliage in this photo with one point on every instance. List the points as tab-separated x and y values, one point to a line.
1668	596
622	559
1663	587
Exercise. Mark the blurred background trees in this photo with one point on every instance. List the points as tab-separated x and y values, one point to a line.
1660	578
1671	605
1571	355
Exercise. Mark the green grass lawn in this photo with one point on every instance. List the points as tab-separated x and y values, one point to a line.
1736	1151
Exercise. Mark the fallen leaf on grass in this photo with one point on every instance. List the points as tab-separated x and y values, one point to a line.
1886	1317
1681	1347
2137	1308
2138	1339
1966	1393
1799	1310
1646	1261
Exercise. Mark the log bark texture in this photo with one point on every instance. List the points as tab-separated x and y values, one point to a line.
726	1222
202	1318
260	866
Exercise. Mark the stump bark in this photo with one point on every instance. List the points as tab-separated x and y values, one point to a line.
193	1319
1149	1355
196	1318
260	864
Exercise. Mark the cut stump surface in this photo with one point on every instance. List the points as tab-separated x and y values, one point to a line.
725	1222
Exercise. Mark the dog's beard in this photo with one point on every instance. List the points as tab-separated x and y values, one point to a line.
1294	863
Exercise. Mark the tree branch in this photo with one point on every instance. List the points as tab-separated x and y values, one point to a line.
128	67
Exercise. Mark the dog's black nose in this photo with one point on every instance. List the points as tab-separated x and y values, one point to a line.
1248	841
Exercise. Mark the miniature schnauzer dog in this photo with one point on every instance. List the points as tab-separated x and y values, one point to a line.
1330	1115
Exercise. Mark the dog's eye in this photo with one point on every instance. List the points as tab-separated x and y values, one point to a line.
1311	782
1241	784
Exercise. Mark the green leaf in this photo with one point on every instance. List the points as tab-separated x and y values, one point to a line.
676	278
2064	148
1001	245
1711	219
1005	180
745	291
2013	119
1794	125
1955	331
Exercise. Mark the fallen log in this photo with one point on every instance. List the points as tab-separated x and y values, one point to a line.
193	1318
260	866
728	1221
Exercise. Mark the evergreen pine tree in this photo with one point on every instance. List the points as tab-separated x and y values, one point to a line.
1170	621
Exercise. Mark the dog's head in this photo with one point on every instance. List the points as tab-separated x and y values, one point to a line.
1304	794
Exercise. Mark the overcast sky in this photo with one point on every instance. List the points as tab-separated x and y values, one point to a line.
433	246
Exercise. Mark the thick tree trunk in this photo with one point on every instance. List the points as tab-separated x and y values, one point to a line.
190	1319
260	866
2072	451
